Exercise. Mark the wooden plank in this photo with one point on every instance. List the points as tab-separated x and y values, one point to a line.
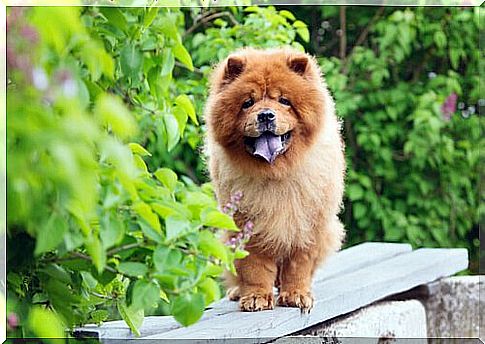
335	296
345	261
151	325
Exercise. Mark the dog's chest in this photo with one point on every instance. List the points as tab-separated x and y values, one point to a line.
284	213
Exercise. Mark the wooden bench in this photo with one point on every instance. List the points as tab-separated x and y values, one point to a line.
351	279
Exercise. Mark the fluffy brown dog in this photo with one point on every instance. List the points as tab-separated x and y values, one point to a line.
273	134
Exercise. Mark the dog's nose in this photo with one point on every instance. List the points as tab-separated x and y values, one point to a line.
266	116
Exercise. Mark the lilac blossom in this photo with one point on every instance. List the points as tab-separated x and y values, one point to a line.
449	106
12	321
245	233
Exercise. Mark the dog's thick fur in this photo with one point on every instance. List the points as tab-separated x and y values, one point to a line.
293	201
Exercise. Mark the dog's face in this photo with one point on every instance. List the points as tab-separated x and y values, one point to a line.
266	107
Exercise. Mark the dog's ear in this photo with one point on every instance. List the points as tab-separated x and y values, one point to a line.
234	67
298	64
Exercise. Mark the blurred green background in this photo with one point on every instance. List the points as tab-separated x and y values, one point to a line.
110	211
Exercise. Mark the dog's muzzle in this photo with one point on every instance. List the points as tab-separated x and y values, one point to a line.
267	145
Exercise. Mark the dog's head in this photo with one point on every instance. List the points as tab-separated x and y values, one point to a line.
266	106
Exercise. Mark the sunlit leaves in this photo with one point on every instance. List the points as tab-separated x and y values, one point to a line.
127	238
46	324
167	177
115	116
183	56
146	213
172	134
138	149
186	104
214	218
302	30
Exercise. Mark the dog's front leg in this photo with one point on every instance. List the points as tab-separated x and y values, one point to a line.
255	278
296	278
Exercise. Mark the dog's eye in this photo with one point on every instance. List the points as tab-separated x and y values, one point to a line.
284	101
248	103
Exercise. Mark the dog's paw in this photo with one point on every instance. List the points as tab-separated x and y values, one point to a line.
233	293
296	298
256	302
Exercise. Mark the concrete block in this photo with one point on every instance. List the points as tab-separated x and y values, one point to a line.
454	307
377	323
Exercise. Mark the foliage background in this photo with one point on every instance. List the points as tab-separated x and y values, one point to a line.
110	211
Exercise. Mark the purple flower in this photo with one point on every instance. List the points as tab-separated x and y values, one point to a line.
12	321
449	106
29	33
40	79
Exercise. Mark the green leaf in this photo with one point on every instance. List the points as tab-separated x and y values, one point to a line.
150	16
164	258
210	245
304	34
51	234
183	56
287	14
185	103
175	226
440	39
46	324
100	315
355	192
211	290
167	177
171	130
145	294
165	209
133	269
138	149
115	115
112	230
96	251
168	62
214	218
140	164
240	254
146	213
299	24
133	317
188	308
131	60
359	210
115	17
181	117
150	233
57	272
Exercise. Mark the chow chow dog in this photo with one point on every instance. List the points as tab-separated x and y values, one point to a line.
272	134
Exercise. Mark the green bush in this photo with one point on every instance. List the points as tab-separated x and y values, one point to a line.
93	234
409	97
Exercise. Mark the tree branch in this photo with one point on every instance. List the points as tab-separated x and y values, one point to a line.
123	248
208	18
343	33
362	37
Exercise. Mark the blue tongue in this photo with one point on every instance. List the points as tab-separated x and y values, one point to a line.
268	146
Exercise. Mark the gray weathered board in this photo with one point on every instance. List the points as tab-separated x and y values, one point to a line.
351	279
